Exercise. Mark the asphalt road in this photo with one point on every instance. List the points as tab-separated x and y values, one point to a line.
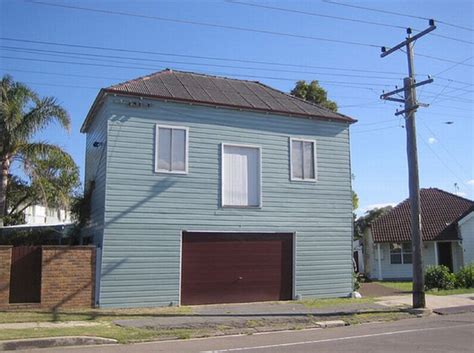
451	333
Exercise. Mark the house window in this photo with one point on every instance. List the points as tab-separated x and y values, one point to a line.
171	149
400	253
303	159
241	176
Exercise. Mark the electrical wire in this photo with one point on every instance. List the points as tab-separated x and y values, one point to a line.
396	14
21	40
420	136
194	56
86	55
340	18
205	24
461	167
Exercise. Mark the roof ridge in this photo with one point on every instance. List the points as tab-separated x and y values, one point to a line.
451	194
140	78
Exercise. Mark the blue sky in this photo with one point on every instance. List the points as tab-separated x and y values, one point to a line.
353	74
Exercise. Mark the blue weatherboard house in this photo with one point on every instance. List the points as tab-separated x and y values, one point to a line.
207	189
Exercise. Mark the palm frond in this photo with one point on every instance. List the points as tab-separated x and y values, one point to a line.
46	111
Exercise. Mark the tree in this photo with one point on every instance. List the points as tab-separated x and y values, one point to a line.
370	216
313	92
22	114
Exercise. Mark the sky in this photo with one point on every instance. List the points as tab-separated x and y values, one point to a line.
66	53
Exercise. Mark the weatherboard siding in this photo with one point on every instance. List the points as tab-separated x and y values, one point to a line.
146	212
466	230
405	271
95	172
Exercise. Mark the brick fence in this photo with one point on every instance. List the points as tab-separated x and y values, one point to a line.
67	277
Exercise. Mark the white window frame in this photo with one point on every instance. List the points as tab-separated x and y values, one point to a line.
402	252
315	159
259	148
186	148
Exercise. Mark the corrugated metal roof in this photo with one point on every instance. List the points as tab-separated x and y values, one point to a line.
215	90
440	210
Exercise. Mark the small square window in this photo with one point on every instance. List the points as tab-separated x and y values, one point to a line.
400	253
171	149
303	159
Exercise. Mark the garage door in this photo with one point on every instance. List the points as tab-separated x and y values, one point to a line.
236	268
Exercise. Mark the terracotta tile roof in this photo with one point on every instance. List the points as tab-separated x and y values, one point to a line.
440	211
222	91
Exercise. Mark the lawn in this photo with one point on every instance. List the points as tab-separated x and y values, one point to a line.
407	287
333	302
101	315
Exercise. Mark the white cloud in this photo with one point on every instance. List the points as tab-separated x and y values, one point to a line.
432	140
460	193
470	182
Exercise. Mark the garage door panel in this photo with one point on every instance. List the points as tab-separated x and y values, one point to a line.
228	268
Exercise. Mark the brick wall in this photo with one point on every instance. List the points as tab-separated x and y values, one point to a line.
67	278
5	265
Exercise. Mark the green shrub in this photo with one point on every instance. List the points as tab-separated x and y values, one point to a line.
465	277
439	277
355	281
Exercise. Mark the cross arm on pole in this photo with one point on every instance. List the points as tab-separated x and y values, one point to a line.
386	51
388	94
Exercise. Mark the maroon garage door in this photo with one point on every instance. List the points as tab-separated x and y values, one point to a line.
234	267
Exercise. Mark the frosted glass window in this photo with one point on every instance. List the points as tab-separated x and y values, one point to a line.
171	149
241	176
303	160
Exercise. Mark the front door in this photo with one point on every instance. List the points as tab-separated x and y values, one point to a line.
445	255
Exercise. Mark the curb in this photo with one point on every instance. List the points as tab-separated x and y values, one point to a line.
331	323
48	342
420	312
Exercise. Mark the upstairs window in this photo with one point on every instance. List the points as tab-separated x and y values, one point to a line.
241	180
171	149
303	159
400	253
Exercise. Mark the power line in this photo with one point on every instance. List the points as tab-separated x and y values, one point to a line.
447	151
85	56
192	56
102	64
379	129
340	18
396	14
444	60
314	14
365	86
439	158
65	75
453	66
205	24
61	44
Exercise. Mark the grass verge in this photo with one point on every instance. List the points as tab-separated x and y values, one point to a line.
407	287
333	302
102	315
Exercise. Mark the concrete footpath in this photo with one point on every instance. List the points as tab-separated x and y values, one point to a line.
433	302
258	314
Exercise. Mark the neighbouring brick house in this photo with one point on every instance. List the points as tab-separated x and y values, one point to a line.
447	222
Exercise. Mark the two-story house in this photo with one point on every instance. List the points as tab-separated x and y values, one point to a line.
214	190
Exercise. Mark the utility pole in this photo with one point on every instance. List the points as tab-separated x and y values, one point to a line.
411	105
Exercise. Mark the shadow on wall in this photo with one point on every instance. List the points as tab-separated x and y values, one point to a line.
153	192
184	113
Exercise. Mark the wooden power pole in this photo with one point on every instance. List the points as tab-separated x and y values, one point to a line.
411	105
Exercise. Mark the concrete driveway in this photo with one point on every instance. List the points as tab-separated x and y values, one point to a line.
432	301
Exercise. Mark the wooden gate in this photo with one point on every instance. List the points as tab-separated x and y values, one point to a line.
25	277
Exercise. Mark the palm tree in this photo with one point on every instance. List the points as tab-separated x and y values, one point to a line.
22	114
